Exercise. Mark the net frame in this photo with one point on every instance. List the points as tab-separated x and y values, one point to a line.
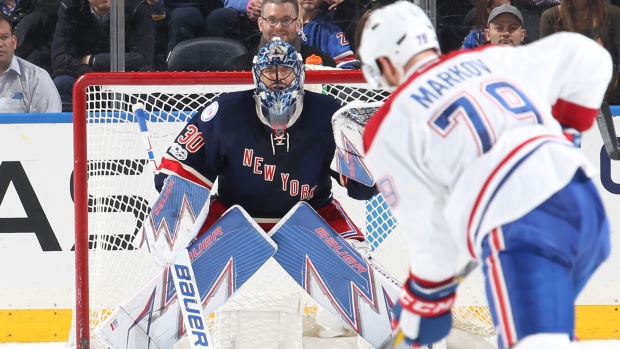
227	81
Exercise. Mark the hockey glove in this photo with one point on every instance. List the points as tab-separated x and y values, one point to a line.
423	310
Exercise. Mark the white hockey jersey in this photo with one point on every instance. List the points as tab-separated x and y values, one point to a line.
470	142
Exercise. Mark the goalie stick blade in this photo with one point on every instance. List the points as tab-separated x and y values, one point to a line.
223	259
348	125
335	275
605	122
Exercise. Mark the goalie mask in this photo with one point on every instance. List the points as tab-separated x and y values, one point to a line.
279	78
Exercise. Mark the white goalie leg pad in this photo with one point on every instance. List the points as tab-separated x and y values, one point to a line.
222	259
174	220
547	341
335	275
331	326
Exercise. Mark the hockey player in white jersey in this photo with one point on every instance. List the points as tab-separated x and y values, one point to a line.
469	152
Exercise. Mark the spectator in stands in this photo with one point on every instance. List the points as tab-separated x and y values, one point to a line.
599	36
579	15
280	18
595	34
238	19
185	19
33	23
482	10
82	41
324	35
449	20
357	36
24	87
532	10
346	14
505	26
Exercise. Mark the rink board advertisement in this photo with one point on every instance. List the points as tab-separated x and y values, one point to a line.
37	232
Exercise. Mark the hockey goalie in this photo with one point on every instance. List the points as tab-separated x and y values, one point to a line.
270	150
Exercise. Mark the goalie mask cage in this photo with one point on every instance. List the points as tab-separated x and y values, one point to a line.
114	190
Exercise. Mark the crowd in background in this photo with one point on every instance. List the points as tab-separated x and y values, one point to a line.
68	38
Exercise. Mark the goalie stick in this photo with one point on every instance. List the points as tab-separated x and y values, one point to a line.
183	274
138	111
605	122
398	337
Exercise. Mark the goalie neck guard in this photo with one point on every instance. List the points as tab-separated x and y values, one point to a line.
279	75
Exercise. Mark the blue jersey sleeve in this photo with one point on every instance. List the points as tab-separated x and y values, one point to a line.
474	39
194	155
239	5
329	38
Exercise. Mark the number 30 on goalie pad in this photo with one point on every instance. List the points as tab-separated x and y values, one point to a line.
223	259
335	275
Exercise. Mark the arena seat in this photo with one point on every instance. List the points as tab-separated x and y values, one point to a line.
204	54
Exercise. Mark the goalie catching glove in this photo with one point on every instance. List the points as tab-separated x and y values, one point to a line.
423	310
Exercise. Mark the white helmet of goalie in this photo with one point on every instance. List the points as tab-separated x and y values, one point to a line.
398	32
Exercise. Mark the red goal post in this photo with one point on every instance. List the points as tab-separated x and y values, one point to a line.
112	188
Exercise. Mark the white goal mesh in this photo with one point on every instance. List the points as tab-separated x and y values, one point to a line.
114	191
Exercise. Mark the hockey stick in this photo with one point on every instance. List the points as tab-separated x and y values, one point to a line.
181	268
398	336
605	122
138	111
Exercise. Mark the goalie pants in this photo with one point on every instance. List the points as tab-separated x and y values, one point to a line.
332	213
536	267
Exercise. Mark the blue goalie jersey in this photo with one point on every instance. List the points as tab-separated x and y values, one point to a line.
266	176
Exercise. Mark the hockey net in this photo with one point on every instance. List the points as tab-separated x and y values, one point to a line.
114	191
